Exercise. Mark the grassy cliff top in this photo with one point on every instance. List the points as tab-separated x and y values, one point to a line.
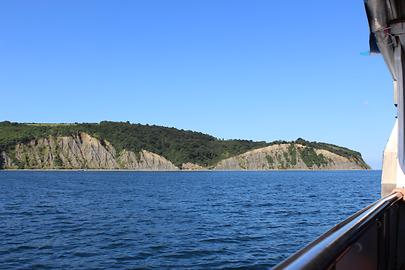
179	146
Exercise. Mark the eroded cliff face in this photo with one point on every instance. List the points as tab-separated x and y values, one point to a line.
80	151
144	160
289	156
6	162
191	167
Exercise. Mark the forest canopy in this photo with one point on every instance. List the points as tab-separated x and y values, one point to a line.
177	145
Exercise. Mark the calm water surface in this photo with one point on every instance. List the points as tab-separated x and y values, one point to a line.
179	220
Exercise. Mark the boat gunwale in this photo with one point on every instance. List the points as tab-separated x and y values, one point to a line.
323	252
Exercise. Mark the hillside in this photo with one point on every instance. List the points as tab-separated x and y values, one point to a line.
121	145
290	155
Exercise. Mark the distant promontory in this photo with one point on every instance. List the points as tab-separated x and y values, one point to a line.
122	145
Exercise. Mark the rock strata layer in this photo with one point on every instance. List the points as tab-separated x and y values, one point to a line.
80	151
290	156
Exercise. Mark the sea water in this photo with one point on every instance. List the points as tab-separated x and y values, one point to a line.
171	220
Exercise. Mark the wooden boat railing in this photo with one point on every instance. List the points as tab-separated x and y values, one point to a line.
373	238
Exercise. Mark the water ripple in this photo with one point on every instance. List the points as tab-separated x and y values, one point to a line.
204	220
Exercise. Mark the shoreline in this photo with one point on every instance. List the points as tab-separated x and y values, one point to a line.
201	170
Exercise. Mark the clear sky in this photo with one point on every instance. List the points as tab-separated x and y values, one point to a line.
260	70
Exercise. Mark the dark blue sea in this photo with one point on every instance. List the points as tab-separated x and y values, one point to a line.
171	220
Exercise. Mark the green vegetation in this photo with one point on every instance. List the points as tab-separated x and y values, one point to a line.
341	151
270	160
310	158
178	146
286	158
292	152
58	161
338	150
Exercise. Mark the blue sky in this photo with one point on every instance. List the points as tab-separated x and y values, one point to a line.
260	70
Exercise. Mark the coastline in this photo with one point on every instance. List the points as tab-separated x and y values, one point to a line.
201	170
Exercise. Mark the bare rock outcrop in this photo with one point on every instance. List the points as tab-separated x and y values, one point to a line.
80	151
191	167
144	160
289	156
6	162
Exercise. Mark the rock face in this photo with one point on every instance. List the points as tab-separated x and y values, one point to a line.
191	167
6	162
80	151
290	156
144	160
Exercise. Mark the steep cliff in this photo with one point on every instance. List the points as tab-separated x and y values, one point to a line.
178	146
80	151
122	145
291	156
